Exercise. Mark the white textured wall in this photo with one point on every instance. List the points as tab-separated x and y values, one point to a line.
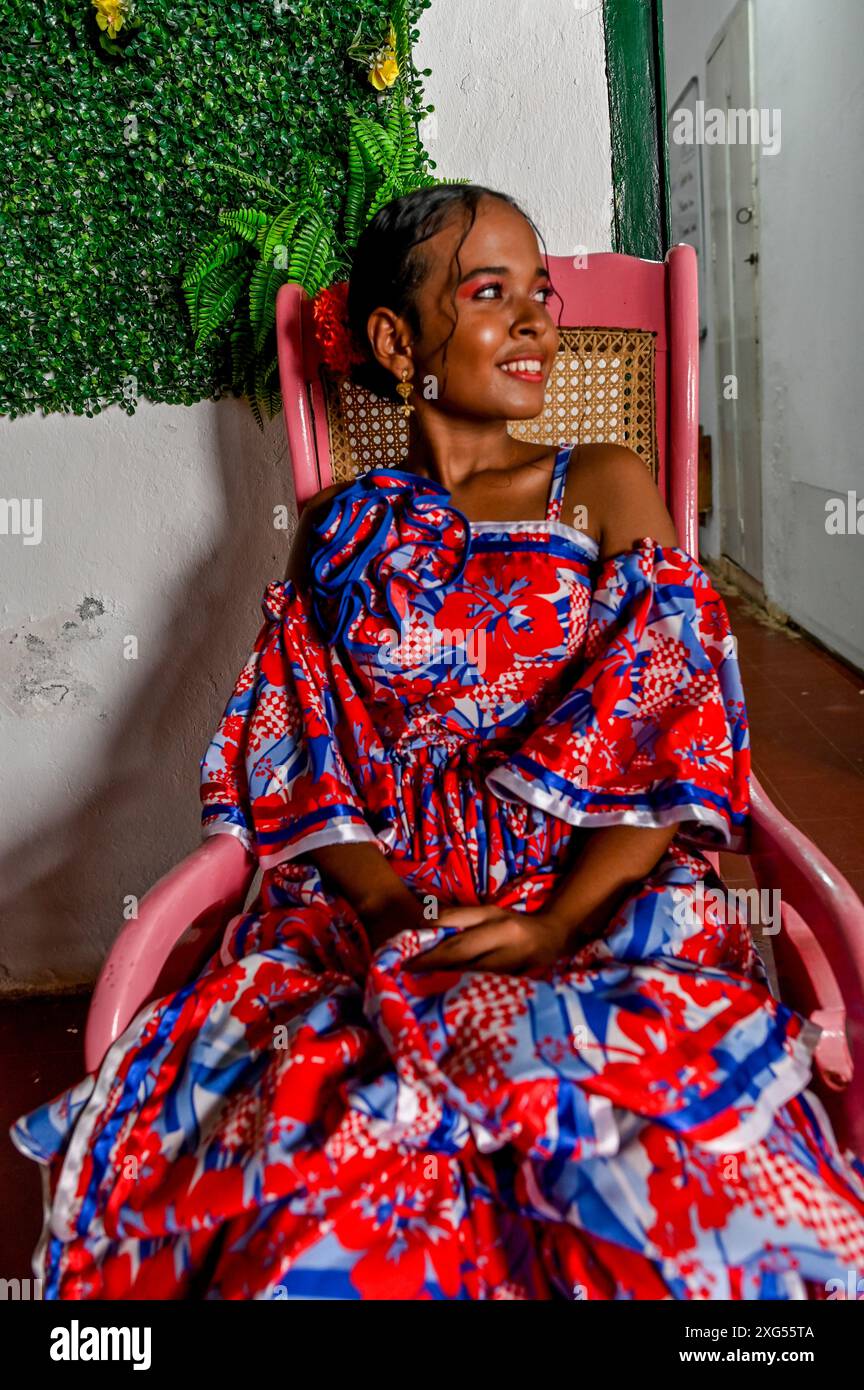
811	200
813	308
160	526
522	106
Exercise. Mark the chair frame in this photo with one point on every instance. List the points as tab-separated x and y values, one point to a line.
819	951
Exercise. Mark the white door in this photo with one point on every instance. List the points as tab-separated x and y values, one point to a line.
734	235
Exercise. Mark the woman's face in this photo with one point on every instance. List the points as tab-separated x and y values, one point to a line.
501	290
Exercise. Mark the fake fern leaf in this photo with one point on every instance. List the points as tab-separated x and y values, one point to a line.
311	254
374	145
263	287
278	236
242	351
217	297
219	250
245	222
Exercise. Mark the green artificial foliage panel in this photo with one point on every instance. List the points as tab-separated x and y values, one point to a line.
637	109
120	152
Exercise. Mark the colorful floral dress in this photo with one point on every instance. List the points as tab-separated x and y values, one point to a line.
308	1119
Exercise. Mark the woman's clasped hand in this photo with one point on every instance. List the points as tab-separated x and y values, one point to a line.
505	940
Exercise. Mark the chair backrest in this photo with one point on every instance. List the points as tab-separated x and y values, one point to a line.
623	322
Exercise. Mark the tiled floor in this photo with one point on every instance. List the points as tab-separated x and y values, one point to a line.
807	732
41	1053
807	720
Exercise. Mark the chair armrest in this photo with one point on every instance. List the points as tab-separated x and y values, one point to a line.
819	951
194	898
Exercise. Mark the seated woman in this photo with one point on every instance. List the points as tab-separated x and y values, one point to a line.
482	1034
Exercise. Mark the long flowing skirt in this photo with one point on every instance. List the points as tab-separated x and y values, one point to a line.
304	1120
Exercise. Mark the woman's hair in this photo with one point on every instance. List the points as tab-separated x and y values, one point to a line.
388	268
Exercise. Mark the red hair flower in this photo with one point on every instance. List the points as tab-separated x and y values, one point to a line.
330	313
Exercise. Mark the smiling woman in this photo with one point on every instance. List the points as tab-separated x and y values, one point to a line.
414	267
482	1034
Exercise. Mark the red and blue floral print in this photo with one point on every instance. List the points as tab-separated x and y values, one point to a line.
308	1118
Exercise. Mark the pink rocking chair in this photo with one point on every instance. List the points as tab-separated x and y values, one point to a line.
628	371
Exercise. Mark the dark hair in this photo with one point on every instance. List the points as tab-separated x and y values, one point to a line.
387	267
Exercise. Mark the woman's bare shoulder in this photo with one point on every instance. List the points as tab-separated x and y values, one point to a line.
300	544
620	500
324	496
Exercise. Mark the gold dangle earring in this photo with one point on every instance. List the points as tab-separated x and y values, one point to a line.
404	389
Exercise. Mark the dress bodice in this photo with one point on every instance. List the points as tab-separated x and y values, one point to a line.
431	662
449	625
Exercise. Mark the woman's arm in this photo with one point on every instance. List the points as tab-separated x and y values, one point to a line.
619	491
616	858
363	875
298	568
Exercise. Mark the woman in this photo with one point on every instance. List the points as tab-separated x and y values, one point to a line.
478	1036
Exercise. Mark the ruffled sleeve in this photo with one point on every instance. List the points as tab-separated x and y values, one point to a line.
654	728
276	772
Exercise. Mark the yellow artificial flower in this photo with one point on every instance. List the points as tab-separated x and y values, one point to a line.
385	72
385	68
110	15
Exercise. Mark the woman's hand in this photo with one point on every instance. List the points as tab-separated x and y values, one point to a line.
395	914
505	940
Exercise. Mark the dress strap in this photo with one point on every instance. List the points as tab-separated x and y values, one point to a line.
559	478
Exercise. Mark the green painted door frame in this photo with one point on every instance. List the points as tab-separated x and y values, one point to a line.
636	76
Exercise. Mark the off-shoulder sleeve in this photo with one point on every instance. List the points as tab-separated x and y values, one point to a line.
654	728
275	772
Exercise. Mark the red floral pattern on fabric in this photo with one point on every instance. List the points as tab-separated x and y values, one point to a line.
309	1119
